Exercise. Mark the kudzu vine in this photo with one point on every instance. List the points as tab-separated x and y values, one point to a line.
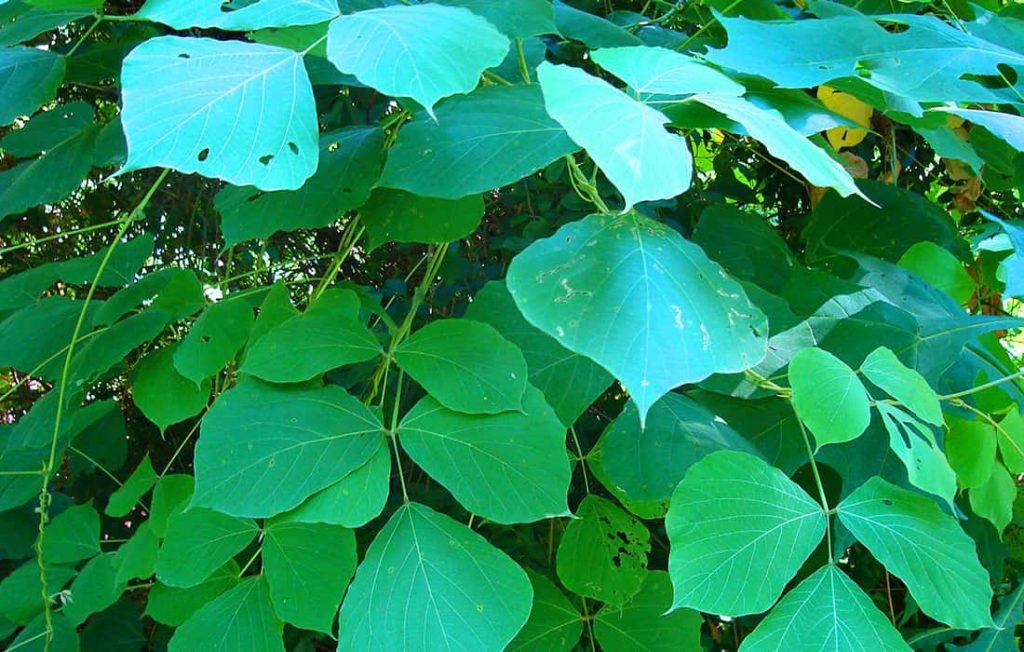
534	325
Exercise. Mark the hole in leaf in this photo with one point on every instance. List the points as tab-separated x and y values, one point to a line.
203	155
333	147
292	146
886	501
205	339
266	159
184	55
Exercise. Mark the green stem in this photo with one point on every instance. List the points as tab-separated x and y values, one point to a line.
581	457
48	468
821	488
353	232
982	388
706	26
88	32
55	236
393	434
524	69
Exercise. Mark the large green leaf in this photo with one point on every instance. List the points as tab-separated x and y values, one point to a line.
647	463
28	78
429	583
350	161
240	619
993	500
641	301
214	340
47	129
971	450
660	71
95	589
354	500
135	487
570	382
328	335
466	365
22	20
1001	638
263	448
425	52
555	625
603	553
519	19
185	14
308	566
241	112
925	548
915	445
928	61
626	139
398	216
172	606
198	542
594	31
72	536
164	395
643	624
21	590
477	457
734	518
828	397
783	141
490	138
907	386
825	611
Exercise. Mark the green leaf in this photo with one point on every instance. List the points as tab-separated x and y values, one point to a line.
127	495
241	112
734	518
477	456
1014	265
21	590
828	397
660	71
458	154
172	606
162	394
198	542
1011	441
424	52
925	548
940	269
826	610
1005	126
170	496
48	129
626	139
95	589
643	624
22	20
397	216
240	619
521	19
175	291
20	348
214	340
429	582
603	553
72	536
49	178
993	500
646	464
602	288
328	335
1001	638
554	625
784	142
466	365
136	559
928	61
915	444
570	382
263	449
185	14
354	500
308	566
971	450
30	78
33	637
591	30
350	162
885	370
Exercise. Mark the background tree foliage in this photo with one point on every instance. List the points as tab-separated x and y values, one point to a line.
472	324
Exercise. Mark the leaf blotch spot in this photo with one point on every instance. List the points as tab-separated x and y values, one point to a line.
203	155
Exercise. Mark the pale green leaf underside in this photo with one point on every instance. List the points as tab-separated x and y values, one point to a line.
241	112
827	611
425	52
477	457
185	14
734	518
828	397
925	548
428	582
660	71
641	301
490	138
626	139
263	449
